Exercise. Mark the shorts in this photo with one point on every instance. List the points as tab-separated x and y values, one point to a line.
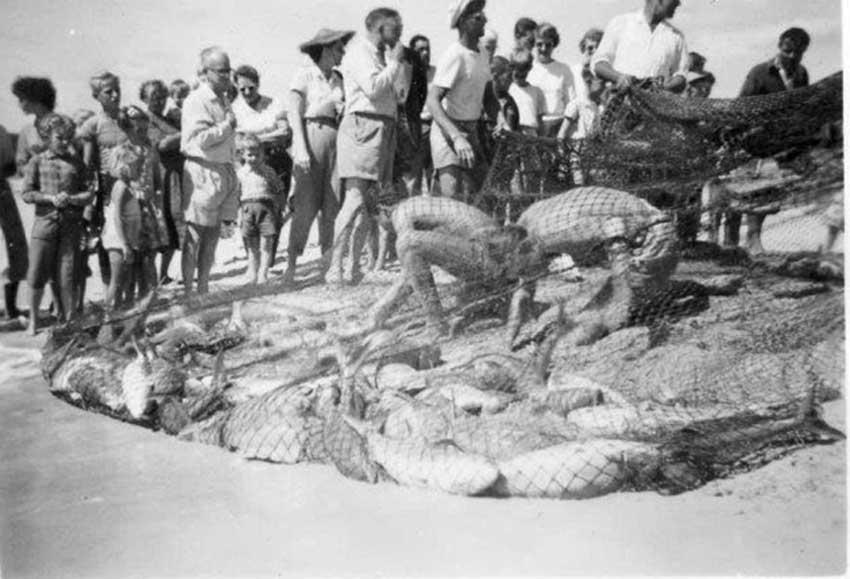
443	153
366	147
54	245
259	219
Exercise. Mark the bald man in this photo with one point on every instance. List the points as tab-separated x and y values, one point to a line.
210	186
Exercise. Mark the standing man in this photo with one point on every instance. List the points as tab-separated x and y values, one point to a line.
371	72
782	72
265	118
643	44
210	186
421	76
461	91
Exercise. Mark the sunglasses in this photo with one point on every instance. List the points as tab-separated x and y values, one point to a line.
221	70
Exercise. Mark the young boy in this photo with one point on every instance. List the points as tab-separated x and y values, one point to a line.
529	99
508	119
178	90
55	182
262	201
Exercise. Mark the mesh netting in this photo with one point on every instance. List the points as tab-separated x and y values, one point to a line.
566	341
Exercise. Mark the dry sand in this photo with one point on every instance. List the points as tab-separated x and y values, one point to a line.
85	496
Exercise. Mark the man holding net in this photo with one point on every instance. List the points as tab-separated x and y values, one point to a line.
641	45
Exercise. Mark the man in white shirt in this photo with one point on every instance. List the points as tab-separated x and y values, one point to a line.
643	44
371	72
460	92
210	186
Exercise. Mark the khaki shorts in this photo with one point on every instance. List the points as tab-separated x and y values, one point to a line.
366	147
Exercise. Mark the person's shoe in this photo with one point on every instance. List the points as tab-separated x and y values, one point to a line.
165	280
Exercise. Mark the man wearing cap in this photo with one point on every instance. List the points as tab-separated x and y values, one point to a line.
371	72
460	92
643	44
265	118
210	185
316	100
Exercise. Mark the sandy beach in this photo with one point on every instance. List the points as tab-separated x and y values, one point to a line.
85	496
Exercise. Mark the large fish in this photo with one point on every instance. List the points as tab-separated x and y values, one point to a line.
575	470
438	465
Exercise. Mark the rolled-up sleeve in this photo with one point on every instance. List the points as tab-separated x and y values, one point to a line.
607	49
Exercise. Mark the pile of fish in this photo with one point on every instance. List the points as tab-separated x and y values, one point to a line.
496	426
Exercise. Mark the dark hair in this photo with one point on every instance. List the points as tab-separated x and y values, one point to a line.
523	26
314	52
156	85
798	36
378	15
521	59
178	85
499	65
697	62
592	34
548	32
35	89
249	72
417	38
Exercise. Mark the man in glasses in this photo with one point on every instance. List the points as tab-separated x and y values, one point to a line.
461	91
210	185
643	44
266	119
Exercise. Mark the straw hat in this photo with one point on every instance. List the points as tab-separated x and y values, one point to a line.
325	37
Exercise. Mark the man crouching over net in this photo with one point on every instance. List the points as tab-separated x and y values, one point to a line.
494	260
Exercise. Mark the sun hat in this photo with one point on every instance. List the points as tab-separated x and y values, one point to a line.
459	7
326	36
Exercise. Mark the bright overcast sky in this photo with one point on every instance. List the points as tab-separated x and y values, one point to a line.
68	40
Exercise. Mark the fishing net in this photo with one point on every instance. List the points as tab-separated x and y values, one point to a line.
571	334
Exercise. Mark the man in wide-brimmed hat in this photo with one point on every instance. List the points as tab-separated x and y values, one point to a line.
316	99
460	91
371	71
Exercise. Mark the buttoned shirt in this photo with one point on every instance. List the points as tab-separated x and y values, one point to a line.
51	174
206	133
767	78
632	47
262	120
369	80
323	96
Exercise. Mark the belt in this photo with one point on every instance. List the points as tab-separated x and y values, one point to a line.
374	116
327	121
260	200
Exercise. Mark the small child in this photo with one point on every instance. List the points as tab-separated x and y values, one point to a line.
122	229
55	182
178	90
529	99
579	117
262	201
148	190
508	119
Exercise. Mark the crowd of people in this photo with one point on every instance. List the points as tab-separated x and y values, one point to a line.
367	118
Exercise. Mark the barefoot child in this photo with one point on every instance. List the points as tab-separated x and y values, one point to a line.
123	221
529	98
263	196
148	190
54	181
